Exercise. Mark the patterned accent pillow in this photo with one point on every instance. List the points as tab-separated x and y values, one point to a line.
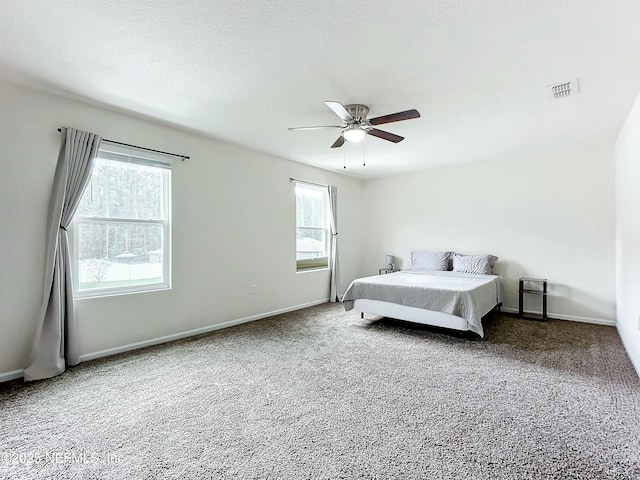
478	264
430	260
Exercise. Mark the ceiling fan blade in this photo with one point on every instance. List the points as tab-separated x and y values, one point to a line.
339	110
392	137
395	117
319	127
339	142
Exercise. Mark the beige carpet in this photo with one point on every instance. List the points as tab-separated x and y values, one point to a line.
322	394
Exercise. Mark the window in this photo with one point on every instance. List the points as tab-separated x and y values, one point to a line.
121	229
312	227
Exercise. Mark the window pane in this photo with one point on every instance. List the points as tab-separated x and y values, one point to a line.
135	191
124	190
121	190
94	200
119	254
150	192
310	207
310	243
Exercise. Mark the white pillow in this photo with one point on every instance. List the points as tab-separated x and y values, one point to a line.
478	264
430	260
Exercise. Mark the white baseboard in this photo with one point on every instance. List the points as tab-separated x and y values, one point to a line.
571	318
197	331
14	374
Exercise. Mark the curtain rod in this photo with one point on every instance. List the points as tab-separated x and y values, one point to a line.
308	183
183	157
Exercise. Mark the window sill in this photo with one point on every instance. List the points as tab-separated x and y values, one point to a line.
309	270
86	295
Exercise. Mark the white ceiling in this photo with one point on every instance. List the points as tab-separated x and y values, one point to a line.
242	71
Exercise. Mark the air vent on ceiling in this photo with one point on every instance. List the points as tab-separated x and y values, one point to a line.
568	88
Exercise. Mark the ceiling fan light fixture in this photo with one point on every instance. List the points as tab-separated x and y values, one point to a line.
353	133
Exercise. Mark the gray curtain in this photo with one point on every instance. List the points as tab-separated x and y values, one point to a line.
56	341
334	286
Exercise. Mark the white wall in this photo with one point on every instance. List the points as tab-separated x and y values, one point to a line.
233	225
628	233
548	214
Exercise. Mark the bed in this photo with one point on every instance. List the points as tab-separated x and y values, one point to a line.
443	298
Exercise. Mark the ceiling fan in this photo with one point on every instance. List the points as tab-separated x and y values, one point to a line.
356	125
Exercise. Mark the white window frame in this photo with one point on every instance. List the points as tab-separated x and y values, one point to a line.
317	263
138	156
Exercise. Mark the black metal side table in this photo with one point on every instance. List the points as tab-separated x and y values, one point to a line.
532	286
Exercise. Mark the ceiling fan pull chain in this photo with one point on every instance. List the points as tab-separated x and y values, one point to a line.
364	152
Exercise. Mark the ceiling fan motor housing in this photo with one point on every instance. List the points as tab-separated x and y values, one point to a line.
357	111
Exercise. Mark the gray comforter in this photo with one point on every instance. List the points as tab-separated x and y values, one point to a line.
465	295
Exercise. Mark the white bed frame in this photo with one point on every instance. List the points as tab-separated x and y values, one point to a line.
412	314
